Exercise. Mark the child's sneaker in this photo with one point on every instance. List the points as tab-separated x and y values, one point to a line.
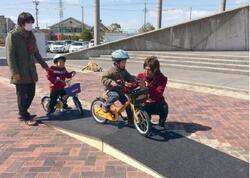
31	122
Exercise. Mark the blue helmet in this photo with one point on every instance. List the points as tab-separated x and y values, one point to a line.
119	55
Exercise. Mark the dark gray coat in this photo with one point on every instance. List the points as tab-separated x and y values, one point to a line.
20	61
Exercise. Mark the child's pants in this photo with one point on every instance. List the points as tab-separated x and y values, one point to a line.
54	95
114	96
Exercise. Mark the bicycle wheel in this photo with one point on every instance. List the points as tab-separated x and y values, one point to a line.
78	104
142	123
45	103
97	104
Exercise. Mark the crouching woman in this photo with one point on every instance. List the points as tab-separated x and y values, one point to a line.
156	83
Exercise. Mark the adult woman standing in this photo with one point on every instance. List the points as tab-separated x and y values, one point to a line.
156	82
21	53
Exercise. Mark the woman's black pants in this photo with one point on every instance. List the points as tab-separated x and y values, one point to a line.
25	95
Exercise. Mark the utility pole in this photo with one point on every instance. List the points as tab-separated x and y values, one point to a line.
145	12
96	22
159	13
60	15
222	6
82	18
60	10
190	13
36	2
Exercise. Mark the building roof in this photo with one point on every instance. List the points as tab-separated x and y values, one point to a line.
10	20
70	18
103	27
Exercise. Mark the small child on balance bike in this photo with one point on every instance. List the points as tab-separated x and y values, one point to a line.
57	76
116	79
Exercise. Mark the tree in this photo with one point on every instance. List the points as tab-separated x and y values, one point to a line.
74	37
146	28
114	28
86	35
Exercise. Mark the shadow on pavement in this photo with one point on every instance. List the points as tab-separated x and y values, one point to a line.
161	134
157	133
65	116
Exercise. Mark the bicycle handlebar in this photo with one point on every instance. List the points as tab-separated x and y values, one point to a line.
67	81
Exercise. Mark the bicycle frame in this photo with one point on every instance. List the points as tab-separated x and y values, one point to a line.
135	101
117	111
59	104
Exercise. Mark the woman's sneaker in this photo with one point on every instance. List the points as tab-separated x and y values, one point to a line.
22	118
31	122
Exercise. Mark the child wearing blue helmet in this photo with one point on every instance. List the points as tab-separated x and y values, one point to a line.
113	80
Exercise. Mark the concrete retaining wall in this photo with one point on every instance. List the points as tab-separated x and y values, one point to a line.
227	31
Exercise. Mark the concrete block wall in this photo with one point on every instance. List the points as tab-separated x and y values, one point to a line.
227	31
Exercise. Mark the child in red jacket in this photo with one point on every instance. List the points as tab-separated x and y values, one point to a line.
57	75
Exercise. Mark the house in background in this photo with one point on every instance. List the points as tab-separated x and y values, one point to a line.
72	27
68	27
103	30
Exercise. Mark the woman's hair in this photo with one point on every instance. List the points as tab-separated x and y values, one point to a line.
153	63
25	17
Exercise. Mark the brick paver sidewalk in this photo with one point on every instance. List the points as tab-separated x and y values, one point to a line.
218	121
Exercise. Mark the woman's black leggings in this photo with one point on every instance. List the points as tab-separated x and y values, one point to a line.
159	108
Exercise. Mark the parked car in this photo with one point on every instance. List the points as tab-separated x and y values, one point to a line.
86	43
69	42
48	45
76	46
91	43
59	46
